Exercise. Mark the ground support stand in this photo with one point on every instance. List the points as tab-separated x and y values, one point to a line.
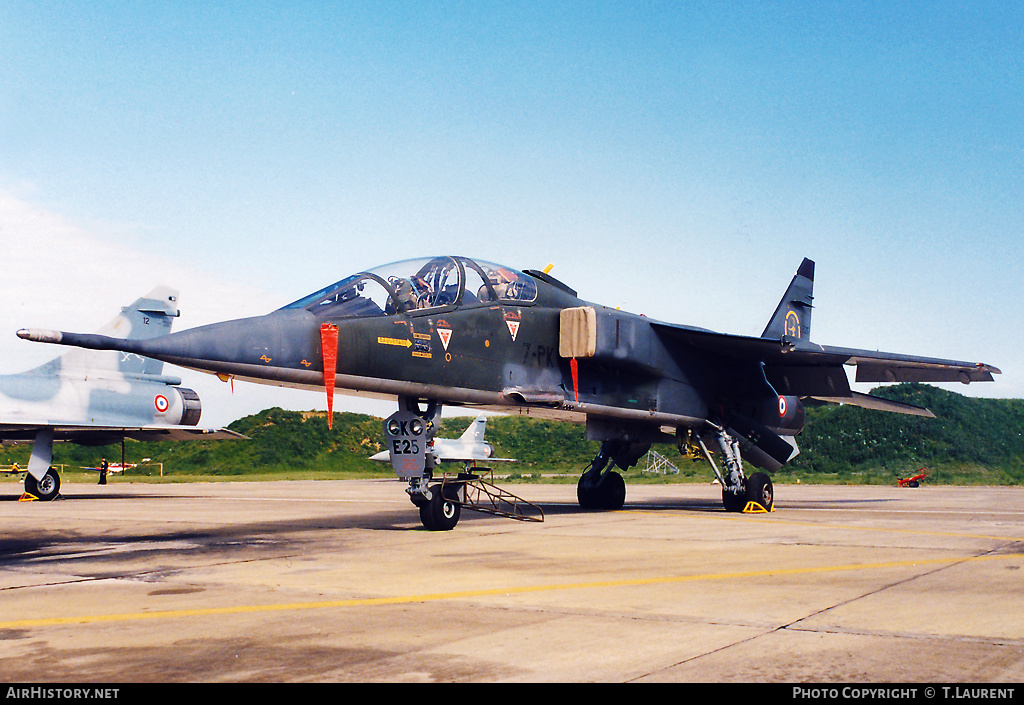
482	495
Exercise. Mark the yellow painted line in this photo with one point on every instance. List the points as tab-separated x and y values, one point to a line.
775	521
495	592
889	529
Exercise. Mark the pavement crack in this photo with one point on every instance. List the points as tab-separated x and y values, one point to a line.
886	587
793	626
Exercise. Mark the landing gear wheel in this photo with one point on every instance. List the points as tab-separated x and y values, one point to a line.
586	495
441	512
760	490
609	493
612	491
46	489
733	502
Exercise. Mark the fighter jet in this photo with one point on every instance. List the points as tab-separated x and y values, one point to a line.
99	398
453	330
468	448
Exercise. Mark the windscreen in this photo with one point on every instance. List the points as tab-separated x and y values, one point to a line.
413	285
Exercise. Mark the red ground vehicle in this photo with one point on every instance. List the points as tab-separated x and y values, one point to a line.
913	480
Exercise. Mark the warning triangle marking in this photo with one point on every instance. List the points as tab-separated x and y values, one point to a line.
445	334
513	328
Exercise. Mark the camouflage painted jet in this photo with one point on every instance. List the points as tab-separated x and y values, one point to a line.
98	398
457	331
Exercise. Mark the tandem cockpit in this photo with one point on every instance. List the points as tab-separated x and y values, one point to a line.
420	284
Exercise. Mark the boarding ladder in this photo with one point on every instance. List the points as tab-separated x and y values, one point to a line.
482	495
659	464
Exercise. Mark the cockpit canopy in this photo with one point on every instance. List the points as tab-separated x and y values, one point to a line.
417	284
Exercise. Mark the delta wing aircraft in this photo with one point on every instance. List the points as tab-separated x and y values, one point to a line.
468	448
453	330
99	398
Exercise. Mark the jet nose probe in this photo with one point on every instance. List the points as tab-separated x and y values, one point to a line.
281	347
91	341
40	336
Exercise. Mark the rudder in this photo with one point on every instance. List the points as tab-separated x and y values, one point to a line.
792	317
149	316
475	431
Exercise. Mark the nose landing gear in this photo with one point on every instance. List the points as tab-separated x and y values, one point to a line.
410	434
442	511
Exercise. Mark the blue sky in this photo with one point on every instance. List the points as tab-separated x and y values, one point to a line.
677	159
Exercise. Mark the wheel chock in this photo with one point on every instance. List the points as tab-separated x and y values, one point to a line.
755	508
27	497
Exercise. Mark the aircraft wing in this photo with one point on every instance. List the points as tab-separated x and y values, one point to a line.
799	368
101	435
385	457
457	459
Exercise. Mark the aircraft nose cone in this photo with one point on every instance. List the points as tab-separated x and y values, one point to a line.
279	339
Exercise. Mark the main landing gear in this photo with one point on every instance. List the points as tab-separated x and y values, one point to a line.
47	486
739	493
45	489
598	489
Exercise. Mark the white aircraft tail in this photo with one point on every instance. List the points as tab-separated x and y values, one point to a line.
475	432
147	317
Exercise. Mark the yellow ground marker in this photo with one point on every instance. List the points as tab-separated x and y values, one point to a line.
494	592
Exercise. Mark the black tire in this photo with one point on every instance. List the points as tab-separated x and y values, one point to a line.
609	493
441	512
586	495
733	502
46	489
612	491
761	490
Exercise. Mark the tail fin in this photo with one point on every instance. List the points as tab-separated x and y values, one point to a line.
147	317
476	430
792	318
